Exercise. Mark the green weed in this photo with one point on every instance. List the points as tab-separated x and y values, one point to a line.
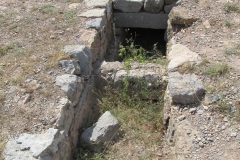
231	7
217	69
233	50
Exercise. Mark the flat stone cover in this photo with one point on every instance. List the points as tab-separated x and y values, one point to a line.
141	20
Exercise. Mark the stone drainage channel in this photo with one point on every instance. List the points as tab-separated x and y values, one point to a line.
87	70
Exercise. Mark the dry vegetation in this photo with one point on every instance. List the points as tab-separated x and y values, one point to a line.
33	33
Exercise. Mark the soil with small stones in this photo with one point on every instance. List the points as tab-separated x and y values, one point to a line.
218	122
36	31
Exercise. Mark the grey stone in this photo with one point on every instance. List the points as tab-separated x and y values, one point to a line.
71	85
83	55
70	66
182	117
168	8
128	5
235	90
169	1
94	13
103	131
201	144
185	89
200	112
95	23
38	146
153	6
210	98
192	110
141	20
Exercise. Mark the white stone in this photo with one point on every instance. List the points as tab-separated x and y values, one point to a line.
128	5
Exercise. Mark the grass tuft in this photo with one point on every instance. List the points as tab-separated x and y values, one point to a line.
231	7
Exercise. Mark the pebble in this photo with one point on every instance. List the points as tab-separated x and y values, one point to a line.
201	144
182	117
192	110
200	112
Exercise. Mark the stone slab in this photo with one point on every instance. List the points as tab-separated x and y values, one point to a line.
128	5
97	3
140	20
94	13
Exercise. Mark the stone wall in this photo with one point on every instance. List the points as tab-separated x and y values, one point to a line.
79	102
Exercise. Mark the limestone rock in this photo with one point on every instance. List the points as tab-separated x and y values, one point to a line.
180	55
66	114
168	8
94	13
111	67
50	145
153	6
71	85
83	55
70	66
180	15
103	131
96	23
97	3
128	5
185	89
206	24
93	41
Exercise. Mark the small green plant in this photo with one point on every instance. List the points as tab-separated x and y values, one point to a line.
217	69
44	9
223	106
131	52
13	26
233	50
70	15
228	23
231	7
5	48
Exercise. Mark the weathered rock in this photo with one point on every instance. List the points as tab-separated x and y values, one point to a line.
83	55
71	85
180	55
206	24
153	6
96	23
111	67
140	20
66	115
70	66
93	41
185	89
211	98
103	131
94	13
97	3
180	15
50	145
168	8
128	5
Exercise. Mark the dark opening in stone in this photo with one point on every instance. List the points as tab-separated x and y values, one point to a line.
151	40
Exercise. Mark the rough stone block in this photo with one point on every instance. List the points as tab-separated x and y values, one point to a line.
128	5
70	66
97	3
141	20
96	23
94	13
103	131
71	85
83	55
179	55
153	6
185	89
